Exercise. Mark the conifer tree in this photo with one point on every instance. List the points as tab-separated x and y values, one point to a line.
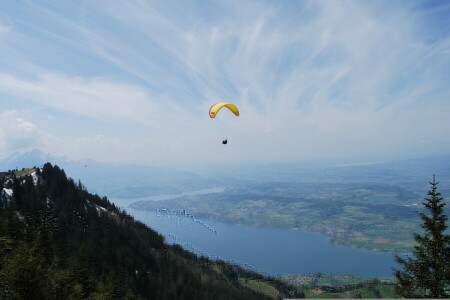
428	274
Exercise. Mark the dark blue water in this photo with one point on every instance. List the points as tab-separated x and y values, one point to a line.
267	250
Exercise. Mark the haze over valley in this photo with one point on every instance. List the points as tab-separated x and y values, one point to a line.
365	205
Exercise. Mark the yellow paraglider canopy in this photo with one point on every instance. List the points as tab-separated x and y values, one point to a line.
216	107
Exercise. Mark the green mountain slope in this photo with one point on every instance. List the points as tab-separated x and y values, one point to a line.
57	241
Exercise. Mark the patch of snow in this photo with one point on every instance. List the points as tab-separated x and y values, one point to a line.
5	195
8	192
35	178
19	215
100	209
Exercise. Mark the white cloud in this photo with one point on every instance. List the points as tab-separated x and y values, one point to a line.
96	98
17	134
4	29
125	150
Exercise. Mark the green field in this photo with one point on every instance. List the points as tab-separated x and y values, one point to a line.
260	287
340	286
24	172
375	217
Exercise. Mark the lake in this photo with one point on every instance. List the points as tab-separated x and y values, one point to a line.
270	251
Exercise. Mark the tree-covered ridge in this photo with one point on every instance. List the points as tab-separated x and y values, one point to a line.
57	241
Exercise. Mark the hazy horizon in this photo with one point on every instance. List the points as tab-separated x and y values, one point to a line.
132	82
36	157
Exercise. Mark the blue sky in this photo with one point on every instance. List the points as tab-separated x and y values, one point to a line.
132	81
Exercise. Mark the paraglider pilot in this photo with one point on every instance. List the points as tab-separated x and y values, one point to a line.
215	109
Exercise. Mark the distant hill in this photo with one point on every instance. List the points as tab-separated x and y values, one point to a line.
32	158
411	173
58	241
121	181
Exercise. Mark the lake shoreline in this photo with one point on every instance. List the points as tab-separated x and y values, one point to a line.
197	234
334	238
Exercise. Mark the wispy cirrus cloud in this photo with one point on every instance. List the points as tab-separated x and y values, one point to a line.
96	98
4	29
312	79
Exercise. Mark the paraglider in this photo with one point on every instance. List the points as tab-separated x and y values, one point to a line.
214	110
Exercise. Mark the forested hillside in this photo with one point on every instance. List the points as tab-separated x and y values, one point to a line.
57	241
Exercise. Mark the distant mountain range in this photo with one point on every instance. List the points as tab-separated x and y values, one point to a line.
412	173
138	181
121	181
